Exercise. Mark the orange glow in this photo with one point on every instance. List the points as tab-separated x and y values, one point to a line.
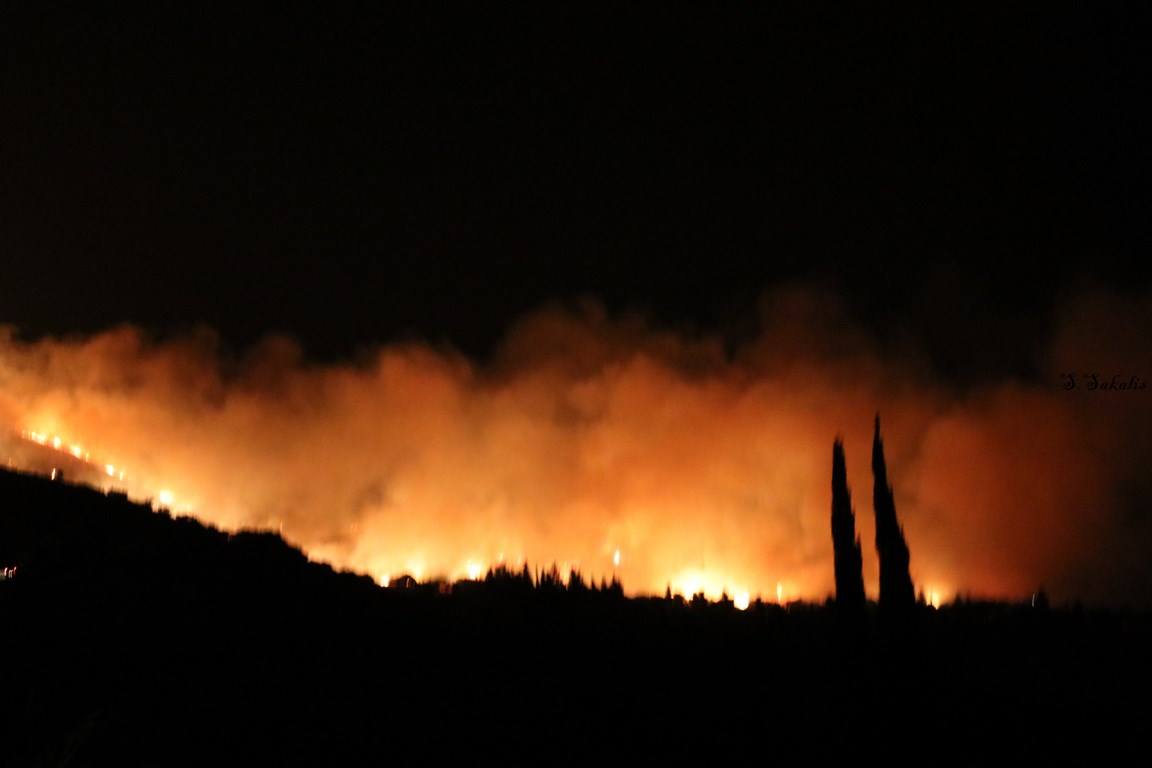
597	444
710	583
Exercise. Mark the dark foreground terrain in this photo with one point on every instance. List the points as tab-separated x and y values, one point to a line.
130	638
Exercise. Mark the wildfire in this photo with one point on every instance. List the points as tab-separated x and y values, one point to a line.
661	458
79	453
710	583
75	450
936	595
425	560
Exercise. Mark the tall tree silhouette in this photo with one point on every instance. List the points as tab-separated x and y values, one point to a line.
896	591
845	542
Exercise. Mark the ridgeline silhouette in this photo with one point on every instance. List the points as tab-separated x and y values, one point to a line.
845	542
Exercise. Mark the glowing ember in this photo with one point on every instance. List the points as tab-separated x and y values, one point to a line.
741	601
616	558
779	593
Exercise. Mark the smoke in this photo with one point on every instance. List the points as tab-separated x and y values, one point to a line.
705	467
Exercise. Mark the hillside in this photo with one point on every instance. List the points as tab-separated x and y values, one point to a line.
132	638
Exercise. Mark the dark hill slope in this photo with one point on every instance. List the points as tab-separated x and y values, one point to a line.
131	638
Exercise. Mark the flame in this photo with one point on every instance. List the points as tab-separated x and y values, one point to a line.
584	437
710	582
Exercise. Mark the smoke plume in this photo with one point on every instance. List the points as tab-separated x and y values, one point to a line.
606	444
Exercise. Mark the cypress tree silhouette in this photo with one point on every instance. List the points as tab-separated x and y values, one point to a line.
845	542
896	591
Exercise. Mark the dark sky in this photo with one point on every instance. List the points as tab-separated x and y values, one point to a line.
435	170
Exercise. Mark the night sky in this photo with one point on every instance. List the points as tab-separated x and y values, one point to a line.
434	171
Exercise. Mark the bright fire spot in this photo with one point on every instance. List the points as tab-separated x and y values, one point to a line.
384	580
56	442
53	475
109	470
933	598
474	570
616	558
779	593
165	497
741	601
694	582
77	451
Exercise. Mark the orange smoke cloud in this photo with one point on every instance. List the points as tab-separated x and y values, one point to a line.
589	440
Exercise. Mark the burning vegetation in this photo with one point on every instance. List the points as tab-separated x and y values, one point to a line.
612	448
